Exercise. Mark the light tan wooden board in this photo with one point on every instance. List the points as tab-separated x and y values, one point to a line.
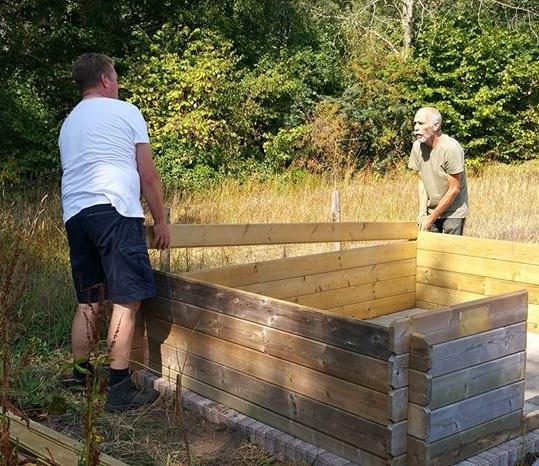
387	320
479	285
362	401
456	386
461	319
482	266
433	425
509	251
450	450
278	421
377	307
293	267
358	368
320	282
364	434
341	297
190	235
468	351
49	445
344	332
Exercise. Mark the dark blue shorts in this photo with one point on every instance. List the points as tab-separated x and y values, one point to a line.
109	255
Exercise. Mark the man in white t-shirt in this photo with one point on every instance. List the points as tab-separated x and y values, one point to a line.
107	163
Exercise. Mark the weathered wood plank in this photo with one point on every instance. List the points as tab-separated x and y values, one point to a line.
308	284
510	251
362	401
456	386
458	354
450	450
504	270
436	424
531	421
278	421
341	297
461	319
481	285
341	331
361	369
357	431
190	235
376	307
387	319
290	267
49	445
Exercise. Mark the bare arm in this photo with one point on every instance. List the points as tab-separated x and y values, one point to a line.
150	183
422	198
453	189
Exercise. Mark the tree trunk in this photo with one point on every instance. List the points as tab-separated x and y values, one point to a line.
408	23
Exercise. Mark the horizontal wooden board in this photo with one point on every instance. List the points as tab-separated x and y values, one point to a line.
341	297
476	284
364	370
370	404
503	270
377	307
436	424
191	235
341	331
450	450
271	418
461	319
457	386
510	251
362	433
49	445
308	284
290	267
467	351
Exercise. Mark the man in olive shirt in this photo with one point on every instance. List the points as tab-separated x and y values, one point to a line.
439	161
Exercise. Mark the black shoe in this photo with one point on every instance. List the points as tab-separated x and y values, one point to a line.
125	396
76	380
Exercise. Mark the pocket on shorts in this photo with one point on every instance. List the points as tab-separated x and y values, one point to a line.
136	263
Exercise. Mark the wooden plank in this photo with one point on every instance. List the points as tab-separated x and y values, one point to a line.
359	400
191	236
436	424
510	251
450	450
457	386
481	285
49	445
341	331
462	319
357	431
458	354
276	420
308	284
376	307
503	270
387	319
531	421
290	267
341	297
361	369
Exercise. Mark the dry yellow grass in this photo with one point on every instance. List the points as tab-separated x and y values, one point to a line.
504	204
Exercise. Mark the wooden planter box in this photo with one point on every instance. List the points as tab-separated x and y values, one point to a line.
410	352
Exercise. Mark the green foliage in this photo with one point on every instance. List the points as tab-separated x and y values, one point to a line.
484	78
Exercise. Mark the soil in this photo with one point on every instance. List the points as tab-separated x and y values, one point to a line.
152	437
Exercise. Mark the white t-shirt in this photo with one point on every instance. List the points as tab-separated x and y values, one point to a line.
98	150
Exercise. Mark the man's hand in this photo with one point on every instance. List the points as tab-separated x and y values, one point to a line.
161	235
426	222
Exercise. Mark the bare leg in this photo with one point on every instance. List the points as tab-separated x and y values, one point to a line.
121	331
82	330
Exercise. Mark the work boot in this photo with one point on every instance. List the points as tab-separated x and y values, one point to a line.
125	395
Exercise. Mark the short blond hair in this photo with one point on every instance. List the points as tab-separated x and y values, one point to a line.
88	68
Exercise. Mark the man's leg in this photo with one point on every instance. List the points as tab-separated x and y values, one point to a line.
453	226
121	331
83	330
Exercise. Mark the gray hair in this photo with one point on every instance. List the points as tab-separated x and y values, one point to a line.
88	68
435	115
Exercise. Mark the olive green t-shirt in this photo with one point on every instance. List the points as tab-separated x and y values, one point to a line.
435	165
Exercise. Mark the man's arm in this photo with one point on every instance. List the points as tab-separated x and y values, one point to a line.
423	200
150	183
453	189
